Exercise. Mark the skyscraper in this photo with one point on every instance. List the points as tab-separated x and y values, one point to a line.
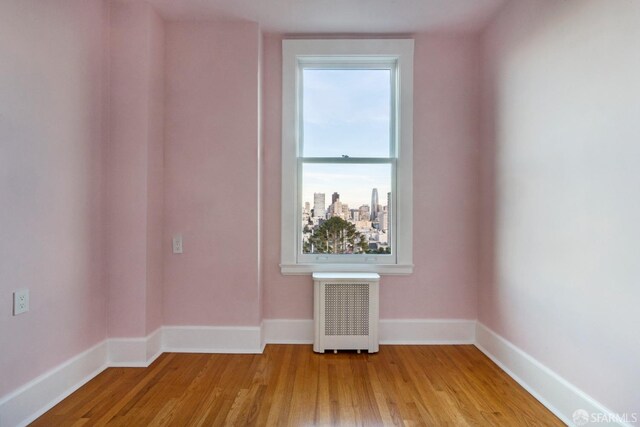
383	220
374	204
334	197
389	220
319	208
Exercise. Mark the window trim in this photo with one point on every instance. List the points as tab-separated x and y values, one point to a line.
297	52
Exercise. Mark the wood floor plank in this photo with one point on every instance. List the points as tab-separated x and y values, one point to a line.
289	385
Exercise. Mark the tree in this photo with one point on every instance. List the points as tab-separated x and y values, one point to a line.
336	236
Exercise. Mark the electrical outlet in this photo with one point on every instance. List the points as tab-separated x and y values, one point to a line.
177	244
20	301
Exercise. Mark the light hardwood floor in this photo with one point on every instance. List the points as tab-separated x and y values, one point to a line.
291	385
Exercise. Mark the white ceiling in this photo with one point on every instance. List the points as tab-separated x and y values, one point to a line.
340	16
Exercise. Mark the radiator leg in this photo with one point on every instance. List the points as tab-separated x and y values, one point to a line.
358	351
335	351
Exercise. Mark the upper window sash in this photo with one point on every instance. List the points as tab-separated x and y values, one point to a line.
348	62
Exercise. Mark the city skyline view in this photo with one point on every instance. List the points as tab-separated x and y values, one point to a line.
331	225
354	181
328	201
346	113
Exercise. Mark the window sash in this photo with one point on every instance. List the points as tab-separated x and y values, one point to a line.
350	63
353	63
346	258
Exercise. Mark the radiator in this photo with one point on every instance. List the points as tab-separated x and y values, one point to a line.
345	311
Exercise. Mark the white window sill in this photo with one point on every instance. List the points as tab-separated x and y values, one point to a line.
390	269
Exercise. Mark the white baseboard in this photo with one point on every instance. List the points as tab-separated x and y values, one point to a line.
154	345
27	403
426	331
127	352
135	352
391	331
557	394
24	405
212	339
288	331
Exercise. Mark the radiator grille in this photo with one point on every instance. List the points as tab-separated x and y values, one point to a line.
347	309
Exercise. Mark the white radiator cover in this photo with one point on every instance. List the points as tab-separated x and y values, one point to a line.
345	311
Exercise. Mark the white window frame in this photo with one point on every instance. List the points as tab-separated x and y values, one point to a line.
358	53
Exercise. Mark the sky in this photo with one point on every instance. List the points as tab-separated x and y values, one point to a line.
346	112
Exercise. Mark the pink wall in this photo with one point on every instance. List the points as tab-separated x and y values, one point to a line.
127	168
155	173
561	109
446	125
52	65
134	170
211	174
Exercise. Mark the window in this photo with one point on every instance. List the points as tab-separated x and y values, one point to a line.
347	156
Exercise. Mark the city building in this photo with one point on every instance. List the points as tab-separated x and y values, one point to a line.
374	204
319	207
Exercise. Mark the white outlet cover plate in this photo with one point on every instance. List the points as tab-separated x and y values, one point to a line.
177	244
20	301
